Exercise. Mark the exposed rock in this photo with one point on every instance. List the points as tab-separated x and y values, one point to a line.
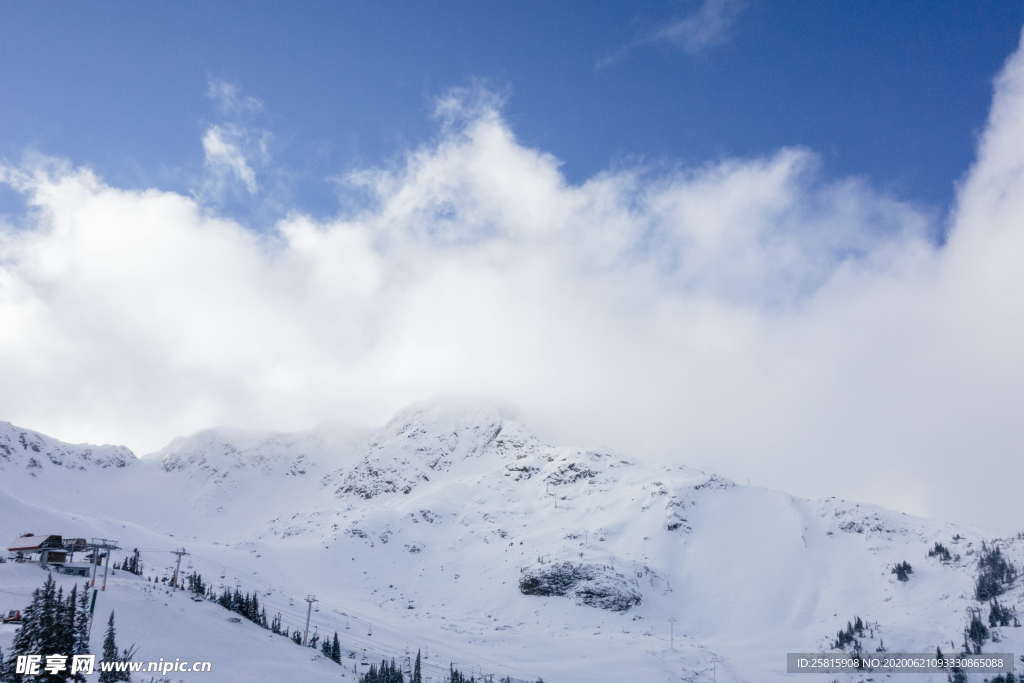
595	585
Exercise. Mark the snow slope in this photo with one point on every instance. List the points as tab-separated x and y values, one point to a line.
165	624
455	529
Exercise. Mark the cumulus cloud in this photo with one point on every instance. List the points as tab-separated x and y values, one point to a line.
753	316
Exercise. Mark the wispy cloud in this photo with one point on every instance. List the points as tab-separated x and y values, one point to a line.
225	159
707	26
710	25
232	148
229	99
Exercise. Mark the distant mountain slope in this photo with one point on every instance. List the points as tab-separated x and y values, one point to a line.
34	452
453	525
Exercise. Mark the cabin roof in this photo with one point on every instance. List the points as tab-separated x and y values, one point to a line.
30	542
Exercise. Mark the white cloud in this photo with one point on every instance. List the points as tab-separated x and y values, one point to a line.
229	99
709	25
225	148
751	315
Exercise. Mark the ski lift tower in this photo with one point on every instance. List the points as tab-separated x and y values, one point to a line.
97	544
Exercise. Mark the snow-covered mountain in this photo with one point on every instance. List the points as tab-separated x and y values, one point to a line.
35	452
455	529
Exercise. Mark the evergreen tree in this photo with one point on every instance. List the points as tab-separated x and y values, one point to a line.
45	629
69	634
417	673
336	649
903	570
387	672
846	636
455	676
50	613
109	651
133	564
81	627
111	654
995	573
998	615
196	584
976	631
940	551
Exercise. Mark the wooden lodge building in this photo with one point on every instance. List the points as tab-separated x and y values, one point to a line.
49	549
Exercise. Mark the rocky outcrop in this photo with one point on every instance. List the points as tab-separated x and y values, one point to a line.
595	585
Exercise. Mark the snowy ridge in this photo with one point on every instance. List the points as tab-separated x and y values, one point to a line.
215	454
35	452
414	446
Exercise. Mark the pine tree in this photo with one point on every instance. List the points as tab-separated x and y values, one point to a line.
132	564
903	570
40	631
49	619
455	676
940	551
387	672
111	654
417	673
109	651
995	573
68	633
336	649
81	628
998	614
977	632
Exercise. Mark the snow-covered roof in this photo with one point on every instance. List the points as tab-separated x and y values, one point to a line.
33	542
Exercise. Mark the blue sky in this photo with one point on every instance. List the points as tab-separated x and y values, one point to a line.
892	91
770	239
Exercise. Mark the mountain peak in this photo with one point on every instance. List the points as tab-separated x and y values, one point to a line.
22	448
